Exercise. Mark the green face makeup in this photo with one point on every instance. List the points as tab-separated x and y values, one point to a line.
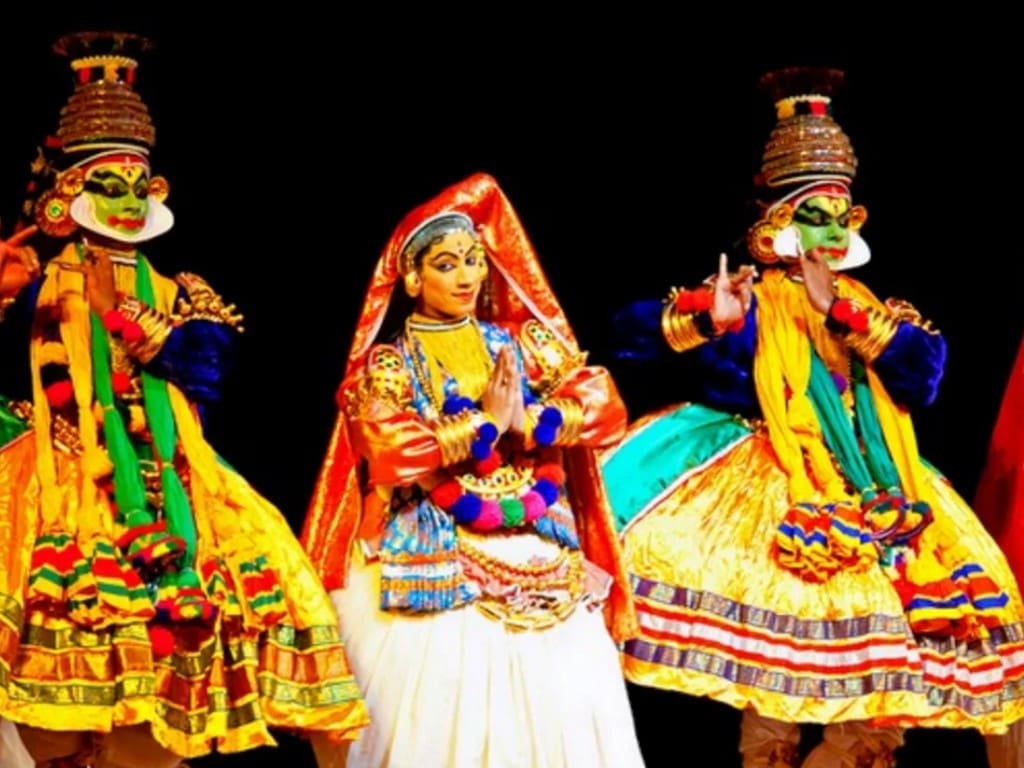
119	194
824	222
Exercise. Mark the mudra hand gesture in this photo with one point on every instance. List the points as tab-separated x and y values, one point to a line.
19	265
503	398
98	270
732	295
818	277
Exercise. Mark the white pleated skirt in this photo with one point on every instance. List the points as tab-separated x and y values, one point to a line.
456	689
12	751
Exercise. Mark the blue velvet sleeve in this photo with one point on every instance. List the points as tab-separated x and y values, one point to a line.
196	357
636	331
728	368
728	365
726	362
911	366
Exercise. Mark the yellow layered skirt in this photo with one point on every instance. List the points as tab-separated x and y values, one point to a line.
226	682
721	618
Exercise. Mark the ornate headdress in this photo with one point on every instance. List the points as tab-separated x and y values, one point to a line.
806	143
431	229
807	154
104	120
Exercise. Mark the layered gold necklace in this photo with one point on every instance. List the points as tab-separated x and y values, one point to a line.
454	348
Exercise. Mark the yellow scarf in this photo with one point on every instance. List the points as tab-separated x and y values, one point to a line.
787	327
62	295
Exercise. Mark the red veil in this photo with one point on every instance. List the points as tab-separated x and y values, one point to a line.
519	291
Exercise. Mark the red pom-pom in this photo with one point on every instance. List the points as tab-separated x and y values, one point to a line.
684	302
60	393
858	321
446	494
131	331
841	310
488	465
701	300
121	382
552	472
161	639
113	321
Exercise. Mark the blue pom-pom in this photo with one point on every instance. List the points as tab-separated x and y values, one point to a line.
547	490
480	449
456	404
551	416
466	509
544	434
487	431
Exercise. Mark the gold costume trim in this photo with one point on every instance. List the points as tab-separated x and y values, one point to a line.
555	359
386	380
203	303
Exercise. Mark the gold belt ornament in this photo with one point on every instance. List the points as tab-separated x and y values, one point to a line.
536	596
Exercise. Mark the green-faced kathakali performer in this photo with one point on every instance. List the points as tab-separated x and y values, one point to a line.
791	554
153	606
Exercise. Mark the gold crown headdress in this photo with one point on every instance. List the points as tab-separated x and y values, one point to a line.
103	116
104	107
806	143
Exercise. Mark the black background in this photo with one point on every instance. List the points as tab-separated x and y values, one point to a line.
295	139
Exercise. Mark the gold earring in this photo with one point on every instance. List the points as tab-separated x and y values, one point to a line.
858	215
413	285
70	183
761	236
159	188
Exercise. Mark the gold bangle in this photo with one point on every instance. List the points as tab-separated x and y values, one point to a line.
871	343
572	420
455	436
679	330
